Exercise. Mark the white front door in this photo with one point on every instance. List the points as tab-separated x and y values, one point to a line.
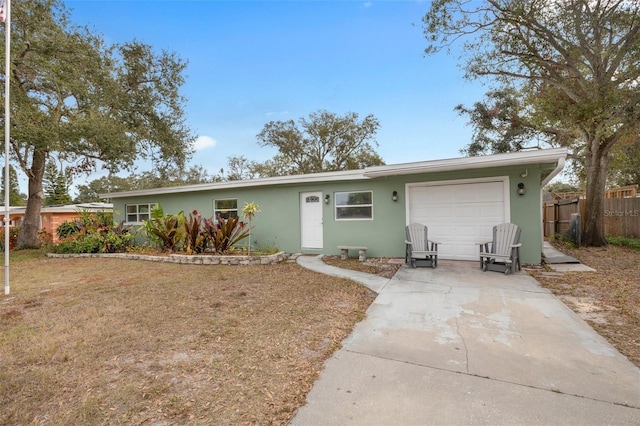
311	219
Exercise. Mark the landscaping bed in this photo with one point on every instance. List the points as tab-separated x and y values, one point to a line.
193	259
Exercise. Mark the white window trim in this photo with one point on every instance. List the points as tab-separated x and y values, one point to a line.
335	206
215	216
138	222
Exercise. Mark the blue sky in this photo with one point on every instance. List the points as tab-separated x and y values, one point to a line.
251	62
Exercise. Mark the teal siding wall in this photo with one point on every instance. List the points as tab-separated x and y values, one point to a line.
278	223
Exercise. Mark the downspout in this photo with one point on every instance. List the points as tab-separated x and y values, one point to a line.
554	172
545	181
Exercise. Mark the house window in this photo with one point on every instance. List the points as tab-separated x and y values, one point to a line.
354	205
225	208
137	213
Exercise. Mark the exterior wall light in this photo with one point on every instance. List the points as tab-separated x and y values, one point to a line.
394	195
326	199
521	189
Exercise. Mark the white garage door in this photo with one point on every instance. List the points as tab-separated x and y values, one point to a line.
459	215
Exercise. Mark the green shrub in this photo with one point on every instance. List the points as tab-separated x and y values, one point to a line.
615	240
93	233
104	241
167	232
67	229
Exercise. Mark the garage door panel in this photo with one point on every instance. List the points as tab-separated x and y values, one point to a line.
439	211
465	232
437	231
466	211
443	194
490	212
459	215
458	251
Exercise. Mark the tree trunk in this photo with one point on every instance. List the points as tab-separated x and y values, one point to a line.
597	164
28	236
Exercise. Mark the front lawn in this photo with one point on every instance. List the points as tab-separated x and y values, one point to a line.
110	341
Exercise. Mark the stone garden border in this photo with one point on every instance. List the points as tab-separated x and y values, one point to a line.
207	259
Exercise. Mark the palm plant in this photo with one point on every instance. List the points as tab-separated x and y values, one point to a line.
249	211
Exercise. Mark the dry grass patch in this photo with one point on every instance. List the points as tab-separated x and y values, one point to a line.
88	341
609	299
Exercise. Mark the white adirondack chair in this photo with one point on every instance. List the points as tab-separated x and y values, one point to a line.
503	253
420	251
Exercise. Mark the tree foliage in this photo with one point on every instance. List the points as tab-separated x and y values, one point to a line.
241	168
499	122
56	185
90	192
625	162
324	142
16	198
571	66
86	103
560	187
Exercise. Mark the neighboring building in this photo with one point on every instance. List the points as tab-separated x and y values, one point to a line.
459	200
53	216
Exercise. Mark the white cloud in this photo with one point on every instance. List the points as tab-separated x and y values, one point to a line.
278	113
204	142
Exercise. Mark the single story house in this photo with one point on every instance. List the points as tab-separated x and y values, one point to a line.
459	200
53	216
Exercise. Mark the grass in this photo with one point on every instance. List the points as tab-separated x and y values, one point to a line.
633	243
104	341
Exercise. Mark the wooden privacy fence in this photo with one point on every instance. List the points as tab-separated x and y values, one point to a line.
621	216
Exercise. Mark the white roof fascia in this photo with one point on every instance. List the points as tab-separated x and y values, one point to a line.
277	180
556	155
466	163
77	208
67	208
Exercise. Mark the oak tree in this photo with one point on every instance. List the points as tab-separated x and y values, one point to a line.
574	65
87	104
324	142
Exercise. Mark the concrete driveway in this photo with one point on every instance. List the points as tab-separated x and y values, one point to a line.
456	345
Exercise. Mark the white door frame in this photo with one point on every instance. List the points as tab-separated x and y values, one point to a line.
462	249
311	226
503	179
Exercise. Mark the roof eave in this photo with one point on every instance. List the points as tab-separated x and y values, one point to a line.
546	156
268	181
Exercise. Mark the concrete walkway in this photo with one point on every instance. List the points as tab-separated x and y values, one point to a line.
455	345
560	262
